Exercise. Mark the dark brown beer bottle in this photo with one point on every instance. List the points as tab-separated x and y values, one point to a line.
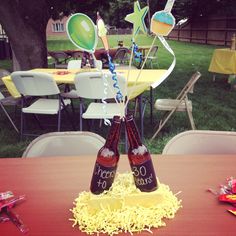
139	159
107	159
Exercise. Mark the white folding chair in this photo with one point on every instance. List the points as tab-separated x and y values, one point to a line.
72	94
202	142
59	144
38	84
98	64
74	64
91	85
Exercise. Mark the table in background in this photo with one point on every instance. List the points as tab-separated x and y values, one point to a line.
102	53
147	77
223	61
52	184
99	53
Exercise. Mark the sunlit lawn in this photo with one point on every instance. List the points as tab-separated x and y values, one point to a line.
214	103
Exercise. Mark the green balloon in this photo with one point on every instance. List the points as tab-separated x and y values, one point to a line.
82	32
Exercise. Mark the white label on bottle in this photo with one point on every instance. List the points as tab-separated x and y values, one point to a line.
140	150
107	153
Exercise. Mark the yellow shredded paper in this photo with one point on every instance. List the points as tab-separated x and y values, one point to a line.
124	208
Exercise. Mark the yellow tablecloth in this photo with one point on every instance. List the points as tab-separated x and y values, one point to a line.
147	77
223	61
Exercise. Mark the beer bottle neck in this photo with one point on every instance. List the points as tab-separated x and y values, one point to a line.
114	134
133	134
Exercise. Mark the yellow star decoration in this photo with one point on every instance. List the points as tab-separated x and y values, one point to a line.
137	18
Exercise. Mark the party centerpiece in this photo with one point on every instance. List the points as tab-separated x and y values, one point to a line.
137	200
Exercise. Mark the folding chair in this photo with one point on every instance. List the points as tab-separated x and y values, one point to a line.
121	56
60	59
71	93
91	85
152	57
77	55
74	64
38	84
98	64
181	103
7	100
2	101
71	143
202	142
3	73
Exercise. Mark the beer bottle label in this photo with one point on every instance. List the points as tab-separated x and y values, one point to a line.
144	176
103	178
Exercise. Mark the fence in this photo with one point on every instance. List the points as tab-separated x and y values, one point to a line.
120	31
212	30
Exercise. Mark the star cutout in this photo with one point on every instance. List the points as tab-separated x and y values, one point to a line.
137	18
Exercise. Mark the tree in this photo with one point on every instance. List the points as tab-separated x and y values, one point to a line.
25	22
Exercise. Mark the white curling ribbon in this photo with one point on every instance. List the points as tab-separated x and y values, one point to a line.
172	66
122	109
105	83
169	5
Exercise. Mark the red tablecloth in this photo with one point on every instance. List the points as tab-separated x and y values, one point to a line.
51	185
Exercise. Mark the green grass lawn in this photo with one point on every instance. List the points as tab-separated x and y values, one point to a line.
214	103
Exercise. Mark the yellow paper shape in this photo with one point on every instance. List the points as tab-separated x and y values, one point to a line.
137	18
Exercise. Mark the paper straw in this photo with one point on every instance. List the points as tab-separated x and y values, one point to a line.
169	5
